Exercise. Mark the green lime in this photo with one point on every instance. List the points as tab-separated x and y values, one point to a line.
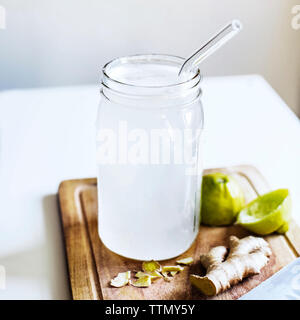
268	213
222	199
284	228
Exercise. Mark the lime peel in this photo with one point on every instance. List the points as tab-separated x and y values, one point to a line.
172	268
150	266
121	280
185	261
154	274
142	282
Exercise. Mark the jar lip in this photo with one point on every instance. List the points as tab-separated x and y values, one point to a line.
156	56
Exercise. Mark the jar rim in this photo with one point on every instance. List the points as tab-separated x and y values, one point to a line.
148	58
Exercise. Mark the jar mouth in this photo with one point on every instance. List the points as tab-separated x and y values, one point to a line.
150	71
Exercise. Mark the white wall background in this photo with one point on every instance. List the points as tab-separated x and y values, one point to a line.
65	42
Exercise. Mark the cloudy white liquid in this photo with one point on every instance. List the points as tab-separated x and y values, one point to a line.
148	210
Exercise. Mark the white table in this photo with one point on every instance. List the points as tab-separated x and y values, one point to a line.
46	136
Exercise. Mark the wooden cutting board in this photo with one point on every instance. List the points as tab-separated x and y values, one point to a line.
91	265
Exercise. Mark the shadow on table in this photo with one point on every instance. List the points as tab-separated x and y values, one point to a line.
46	263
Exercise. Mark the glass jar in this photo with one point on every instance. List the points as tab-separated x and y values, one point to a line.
149	127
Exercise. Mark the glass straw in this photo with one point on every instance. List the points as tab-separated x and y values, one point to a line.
213	44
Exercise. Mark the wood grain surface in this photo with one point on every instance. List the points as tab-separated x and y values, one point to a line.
91	265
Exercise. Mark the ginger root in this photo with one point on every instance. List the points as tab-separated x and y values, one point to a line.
246	257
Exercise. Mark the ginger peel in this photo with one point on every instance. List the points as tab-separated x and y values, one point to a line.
246	257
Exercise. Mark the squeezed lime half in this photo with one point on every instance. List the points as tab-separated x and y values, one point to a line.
268	213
